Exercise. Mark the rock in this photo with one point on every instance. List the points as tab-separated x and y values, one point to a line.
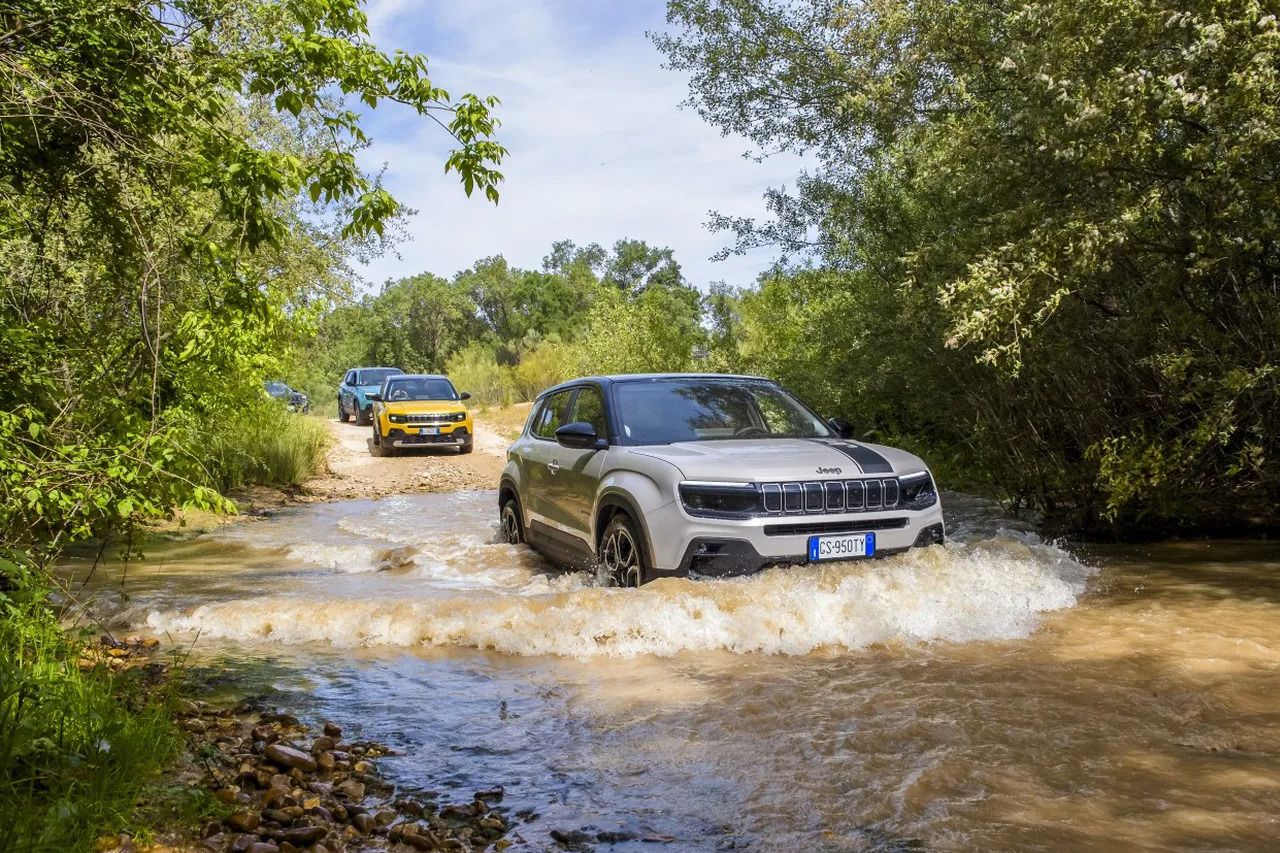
457	813
244	821
384	817
325	761
493	795
195	725
350	790
241	843
363	822
288	757
262	847
322	743
424	841
150	643
283	719
302	836
571	836
609	836
333	730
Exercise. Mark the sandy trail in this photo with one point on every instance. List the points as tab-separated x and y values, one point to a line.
354	472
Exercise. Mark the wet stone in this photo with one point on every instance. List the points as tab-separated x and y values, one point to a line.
333	730
287	756
244	821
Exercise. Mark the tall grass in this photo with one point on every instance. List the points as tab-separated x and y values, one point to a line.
268	445
77	749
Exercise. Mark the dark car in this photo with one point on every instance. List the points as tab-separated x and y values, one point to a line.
296	401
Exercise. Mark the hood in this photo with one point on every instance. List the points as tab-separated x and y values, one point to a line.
782	459
425	407
369	389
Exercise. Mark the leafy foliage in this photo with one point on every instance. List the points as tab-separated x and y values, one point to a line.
1056	219
505	334
179	194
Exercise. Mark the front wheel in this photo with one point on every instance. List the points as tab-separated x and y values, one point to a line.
464	448
621	554
342	411
510	527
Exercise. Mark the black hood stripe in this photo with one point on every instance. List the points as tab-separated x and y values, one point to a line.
867	459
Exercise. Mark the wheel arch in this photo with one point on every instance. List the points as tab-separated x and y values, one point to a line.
610	504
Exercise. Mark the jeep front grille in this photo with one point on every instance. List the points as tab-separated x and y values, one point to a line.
815	497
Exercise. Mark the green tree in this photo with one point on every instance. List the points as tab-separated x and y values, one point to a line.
1066	213
178	189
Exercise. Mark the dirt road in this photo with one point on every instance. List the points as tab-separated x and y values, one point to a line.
354	472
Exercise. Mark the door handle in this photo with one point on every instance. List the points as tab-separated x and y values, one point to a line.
553	466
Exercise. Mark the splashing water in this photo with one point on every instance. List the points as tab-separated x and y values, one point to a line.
425	571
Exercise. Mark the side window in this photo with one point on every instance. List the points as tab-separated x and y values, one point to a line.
551	416
349	379
589	407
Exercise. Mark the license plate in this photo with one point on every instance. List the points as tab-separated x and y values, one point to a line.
842	547
429	431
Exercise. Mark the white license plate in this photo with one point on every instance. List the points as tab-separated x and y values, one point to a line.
843	547
429	431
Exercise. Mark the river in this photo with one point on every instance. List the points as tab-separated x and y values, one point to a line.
1000	693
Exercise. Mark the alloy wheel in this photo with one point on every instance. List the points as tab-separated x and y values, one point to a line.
509	524
621	557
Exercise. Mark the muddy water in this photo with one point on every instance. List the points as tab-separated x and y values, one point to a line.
996	694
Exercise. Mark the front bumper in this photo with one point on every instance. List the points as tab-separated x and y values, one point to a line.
459	436
683	544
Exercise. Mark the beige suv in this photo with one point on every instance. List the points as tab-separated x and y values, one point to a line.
704	474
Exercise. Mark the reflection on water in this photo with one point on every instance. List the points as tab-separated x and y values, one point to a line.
996	694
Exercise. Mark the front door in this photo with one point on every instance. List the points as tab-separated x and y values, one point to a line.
571	490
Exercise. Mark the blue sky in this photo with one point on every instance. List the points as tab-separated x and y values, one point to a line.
600	146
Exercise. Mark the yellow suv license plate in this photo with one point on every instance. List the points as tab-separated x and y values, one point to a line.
429	431
843	547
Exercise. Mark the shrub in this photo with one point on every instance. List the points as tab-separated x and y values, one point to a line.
269	445
76	750
475	369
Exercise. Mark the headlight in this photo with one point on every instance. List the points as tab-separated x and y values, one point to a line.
733	500
918	491
398	419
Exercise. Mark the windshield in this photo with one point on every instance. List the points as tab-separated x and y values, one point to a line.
663	411
277	388
375	376
400	390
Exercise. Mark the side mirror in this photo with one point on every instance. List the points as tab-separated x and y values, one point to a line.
841	427
465	395
580	435
376	398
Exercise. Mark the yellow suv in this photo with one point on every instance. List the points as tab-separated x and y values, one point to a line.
419	410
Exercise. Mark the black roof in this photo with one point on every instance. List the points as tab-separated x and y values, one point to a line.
616	378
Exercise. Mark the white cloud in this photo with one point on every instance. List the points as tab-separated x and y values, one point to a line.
600	148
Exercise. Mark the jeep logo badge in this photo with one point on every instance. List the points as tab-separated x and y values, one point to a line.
830	470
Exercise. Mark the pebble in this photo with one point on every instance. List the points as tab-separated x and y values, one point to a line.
287	756
333	730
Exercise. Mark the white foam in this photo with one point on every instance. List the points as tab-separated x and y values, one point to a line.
990	590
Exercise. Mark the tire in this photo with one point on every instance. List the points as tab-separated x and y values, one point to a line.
360	418
377	448
466	448
342	411
622	553
510	526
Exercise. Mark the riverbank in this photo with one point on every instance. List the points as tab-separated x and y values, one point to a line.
351	471
253	778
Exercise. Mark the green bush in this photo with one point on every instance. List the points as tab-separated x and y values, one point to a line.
77	748
269	445
475	369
